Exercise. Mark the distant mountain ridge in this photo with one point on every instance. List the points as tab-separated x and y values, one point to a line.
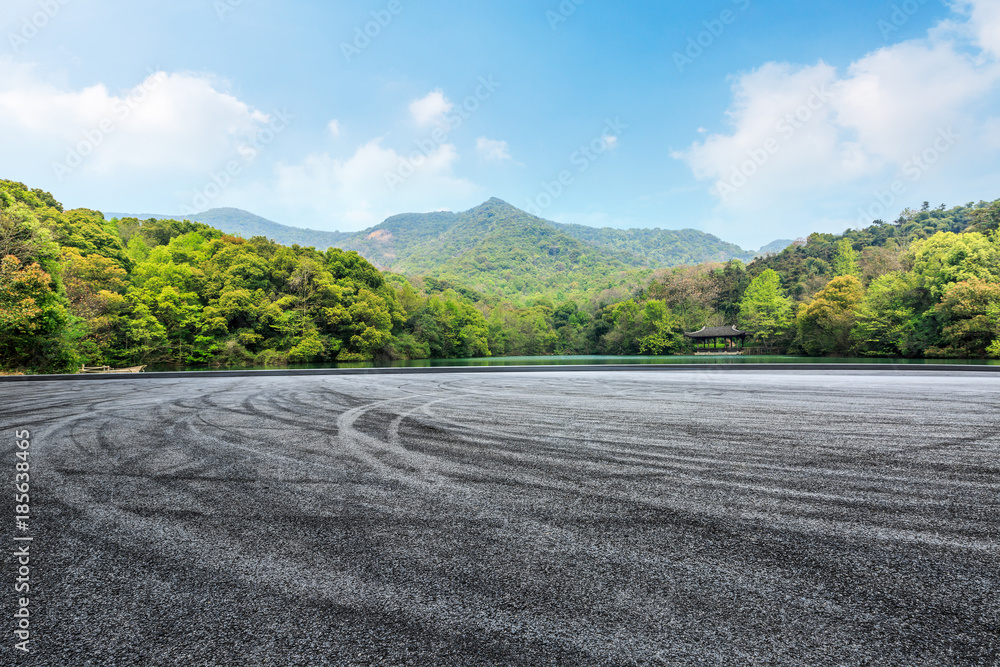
243	223
775	247
495	246
654	243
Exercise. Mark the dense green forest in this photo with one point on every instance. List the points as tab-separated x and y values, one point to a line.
77	288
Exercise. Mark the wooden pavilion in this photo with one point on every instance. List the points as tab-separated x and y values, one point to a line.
730	335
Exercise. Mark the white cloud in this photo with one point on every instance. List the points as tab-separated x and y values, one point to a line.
431	109
327	192
334	128
896	98
493	150
810	138
169	122
783	137
984	21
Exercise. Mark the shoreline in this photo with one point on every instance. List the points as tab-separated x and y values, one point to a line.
402	370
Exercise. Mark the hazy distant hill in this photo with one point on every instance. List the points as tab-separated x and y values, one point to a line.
661	247
776	246
496	247
242	223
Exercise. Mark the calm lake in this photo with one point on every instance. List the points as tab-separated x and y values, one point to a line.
590	360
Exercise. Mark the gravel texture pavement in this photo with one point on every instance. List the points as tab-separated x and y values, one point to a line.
570	518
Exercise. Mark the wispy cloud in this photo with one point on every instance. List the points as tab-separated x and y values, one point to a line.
176	122
431	109
493	150
808	136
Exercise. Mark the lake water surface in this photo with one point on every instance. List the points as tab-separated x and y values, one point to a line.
586	360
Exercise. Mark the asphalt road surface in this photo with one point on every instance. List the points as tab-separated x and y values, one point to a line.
569	518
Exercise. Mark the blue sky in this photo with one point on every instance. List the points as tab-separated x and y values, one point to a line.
749	119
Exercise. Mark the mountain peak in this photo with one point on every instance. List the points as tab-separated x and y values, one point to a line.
496	211
497	204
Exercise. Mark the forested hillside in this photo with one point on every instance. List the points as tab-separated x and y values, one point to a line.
77	288
425	242
243	223
660	248
498	248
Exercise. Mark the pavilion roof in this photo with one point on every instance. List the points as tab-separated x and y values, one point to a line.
716	332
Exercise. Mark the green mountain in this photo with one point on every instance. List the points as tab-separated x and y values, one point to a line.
496	248
243	223
661	247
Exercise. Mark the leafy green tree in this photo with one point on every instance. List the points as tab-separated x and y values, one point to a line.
987	218
661	329
877	261
946	258
730	284
969	313
309	348
887	316
845	262
689	292
95	287
91	234
23	237
569	322
33	318
179	313
993	351
825	324
371	322
452	329
765	311
145	336
642	328
625	320
234	266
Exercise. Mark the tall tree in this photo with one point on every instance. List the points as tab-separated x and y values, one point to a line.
845	262
765	311
987	219
887	316
969	314
826	323
946	258
731	281
33	318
